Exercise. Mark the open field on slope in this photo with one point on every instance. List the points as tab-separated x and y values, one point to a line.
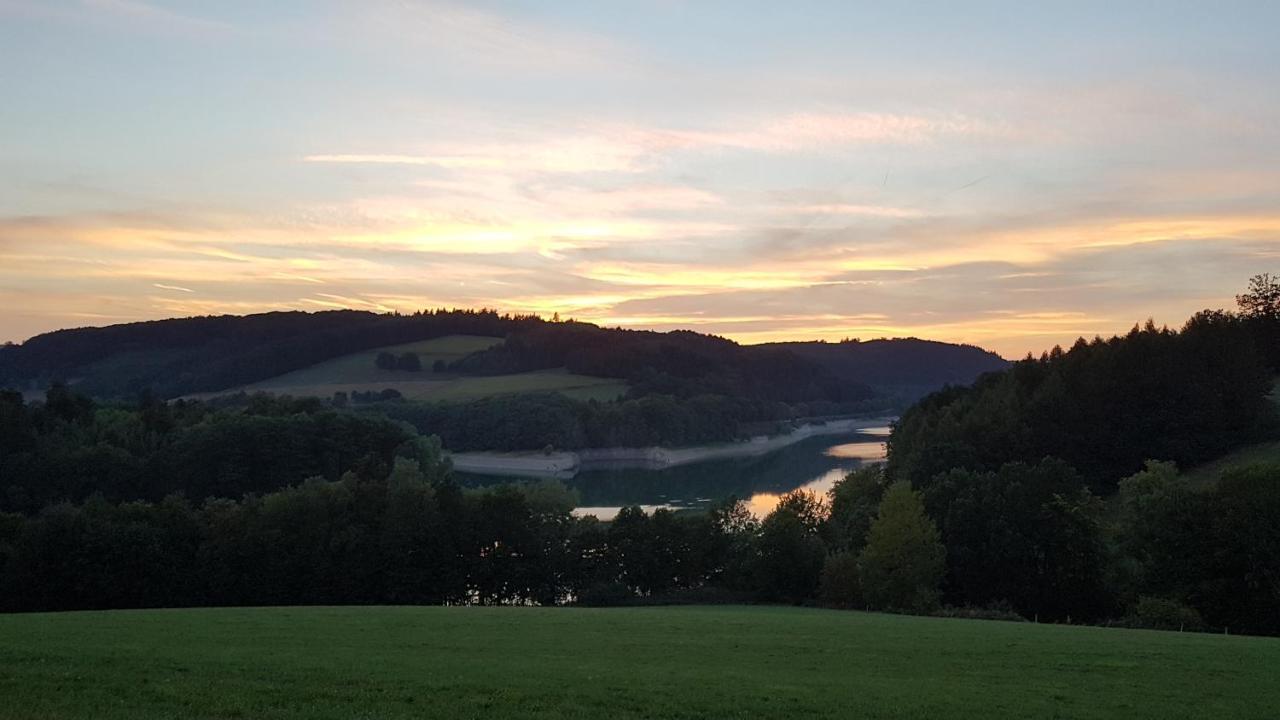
359	367
1264	452
1267	452
679	662
358	373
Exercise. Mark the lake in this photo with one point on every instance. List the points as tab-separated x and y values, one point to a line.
814	464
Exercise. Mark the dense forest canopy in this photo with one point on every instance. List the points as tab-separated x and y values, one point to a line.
70	448
1103	406
905	365
538	421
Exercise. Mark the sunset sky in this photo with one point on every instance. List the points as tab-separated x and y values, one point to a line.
1012	175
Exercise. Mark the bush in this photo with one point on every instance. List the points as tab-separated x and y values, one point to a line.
609	594
703	595
1158	613
840	586
995	611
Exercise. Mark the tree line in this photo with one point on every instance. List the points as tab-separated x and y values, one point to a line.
71	447
534	421
1023	542
407	362
681	363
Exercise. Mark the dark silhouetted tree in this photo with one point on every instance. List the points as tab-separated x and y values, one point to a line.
854	501
1260	308
791	551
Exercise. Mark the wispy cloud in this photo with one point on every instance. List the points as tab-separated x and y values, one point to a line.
862	210
132	15
636	149
477	36
154	15
809	130
796	176
568	154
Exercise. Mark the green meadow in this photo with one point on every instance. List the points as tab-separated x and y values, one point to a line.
359	367
1261	453
357	372
678	662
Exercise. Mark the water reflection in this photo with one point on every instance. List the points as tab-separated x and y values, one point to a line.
814	464
866	451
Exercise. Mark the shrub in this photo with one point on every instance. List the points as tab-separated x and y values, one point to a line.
1158	613
607	594
995	611
840	586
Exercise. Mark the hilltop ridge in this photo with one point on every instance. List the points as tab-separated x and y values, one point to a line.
175	357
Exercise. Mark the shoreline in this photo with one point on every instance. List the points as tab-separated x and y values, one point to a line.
565	464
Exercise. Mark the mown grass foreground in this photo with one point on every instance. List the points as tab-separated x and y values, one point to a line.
400	662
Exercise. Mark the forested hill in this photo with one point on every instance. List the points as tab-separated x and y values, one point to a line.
175	357
906	363
199	354
1103	406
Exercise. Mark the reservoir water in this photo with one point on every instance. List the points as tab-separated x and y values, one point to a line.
814	464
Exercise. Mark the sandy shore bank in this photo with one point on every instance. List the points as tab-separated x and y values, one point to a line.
566	464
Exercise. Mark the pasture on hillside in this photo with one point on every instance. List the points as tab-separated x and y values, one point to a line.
360	368
1258	454
1255	454
357	372
671	662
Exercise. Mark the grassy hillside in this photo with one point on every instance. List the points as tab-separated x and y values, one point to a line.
622	663
1267	452
1258	453
357	372
359	367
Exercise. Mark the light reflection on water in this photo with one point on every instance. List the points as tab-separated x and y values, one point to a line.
864	451
814	465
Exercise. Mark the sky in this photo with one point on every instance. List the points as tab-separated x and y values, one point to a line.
1011	175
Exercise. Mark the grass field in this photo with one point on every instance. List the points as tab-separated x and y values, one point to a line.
1264	452
580	387
359	367
1268	452
695	662
358	373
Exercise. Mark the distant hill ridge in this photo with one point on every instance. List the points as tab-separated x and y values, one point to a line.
208	354
901	362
